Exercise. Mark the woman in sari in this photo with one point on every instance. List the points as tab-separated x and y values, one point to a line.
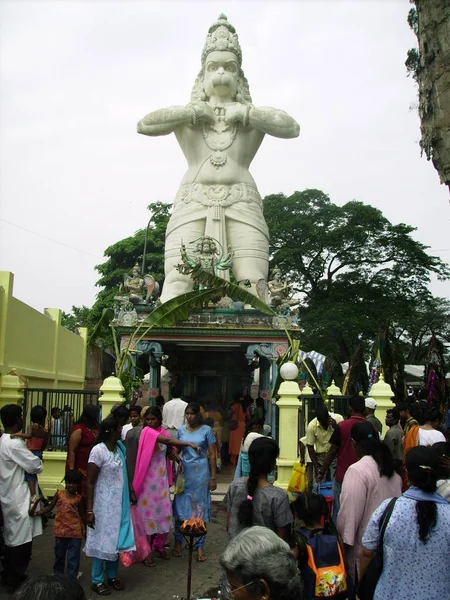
152	479
81	440
107	507
426	434
199	477
237	416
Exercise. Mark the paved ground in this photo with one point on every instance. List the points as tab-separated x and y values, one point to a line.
166	581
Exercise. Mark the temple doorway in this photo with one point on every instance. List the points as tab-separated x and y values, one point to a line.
210	388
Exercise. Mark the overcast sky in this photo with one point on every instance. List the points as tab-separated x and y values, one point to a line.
77	76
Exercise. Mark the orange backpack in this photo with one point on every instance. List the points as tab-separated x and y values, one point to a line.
325	575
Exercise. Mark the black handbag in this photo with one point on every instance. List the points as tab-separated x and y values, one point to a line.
368	582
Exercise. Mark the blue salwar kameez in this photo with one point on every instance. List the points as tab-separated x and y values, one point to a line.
195	500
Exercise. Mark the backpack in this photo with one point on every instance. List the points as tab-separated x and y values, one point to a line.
322	567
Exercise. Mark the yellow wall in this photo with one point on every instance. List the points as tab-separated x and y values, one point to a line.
36	346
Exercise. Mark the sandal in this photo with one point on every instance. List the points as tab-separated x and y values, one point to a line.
116	584
201	557
176	553
100	589
148	562
163	554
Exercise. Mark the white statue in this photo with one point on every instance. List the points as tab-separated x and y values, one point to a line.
219	132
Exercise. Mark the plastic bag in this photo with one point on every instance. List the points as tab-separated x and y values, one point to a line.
179	483
140	540
298	482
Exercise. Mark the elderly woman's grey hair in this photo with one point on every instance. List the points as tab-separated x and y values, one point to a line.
258	553
50	587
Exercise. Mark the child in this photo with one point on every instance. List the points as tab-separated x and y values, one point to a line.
36	440
320	550
69	525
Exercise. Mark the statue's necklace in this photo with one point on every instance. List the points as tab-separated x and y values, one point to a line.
218	139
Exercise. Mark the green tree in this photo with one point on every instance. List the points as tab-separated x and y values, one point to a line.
352	269
427	317
122	256
79	316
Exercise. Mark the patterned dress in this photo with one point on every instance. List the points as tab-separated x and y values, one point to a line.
102	541
154	504
412	569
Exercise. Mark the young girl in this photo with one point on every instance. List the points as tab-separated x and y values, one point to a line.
319	546
253	500
36	440
69	525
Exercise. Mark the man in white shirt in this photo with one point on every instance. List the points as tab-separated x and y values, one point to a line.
18	527
173	412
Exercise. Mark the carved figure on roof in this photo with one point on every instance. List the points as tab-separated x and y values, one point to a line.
278	288
134	286
220	132
207	258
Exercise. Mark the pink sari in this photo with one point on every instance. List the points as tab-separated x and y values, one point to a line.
151	485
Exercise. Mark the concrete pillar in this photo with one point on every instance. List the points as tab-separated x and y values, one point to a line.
288	405
154	381
332	392
112	394
11	390
382	393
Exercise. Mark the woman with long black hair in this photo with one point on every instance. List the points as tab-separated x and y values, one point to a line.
81	441
108	498
366	484
199	468
253	500
416	541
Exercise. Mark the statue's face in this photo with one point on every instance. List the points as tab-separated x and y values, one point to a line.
221	74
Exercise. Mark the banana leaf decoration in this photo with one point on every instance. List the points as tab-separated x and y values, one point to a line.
102	325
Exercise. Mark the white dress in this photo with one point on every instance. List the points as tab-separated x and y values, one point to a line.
101	542
15	460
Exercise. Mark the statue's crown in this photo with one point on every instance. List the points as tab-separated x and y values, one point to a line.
222	36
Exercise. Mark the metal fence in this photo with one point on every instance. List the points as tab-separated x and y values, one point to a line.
70	404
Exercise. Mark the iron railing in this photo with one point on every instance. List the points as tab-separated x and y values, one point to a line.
70	404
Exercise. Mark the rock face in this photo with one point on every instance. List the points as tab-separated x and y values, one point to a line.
433	33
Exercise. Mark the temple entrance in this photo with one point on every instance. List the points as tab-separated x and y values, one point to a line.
210	388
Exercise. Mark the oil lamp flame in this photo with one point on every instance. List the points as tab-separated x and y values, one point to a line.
193	526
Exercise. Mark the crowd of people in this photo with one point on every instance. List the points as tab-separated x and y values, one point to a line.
391	493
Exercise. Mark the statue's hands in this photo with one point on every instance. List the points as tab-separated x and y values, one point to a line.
203	111
235	112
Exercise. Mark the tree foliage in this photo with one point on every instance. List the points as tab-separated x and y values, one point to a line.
351	267
79	316
122	256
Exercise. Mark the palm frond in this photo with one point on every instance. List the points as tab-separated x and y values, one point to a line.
180	308
232	290
102	324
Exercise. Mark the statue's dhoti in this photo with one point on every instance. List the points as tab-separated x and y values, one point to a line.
231	214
